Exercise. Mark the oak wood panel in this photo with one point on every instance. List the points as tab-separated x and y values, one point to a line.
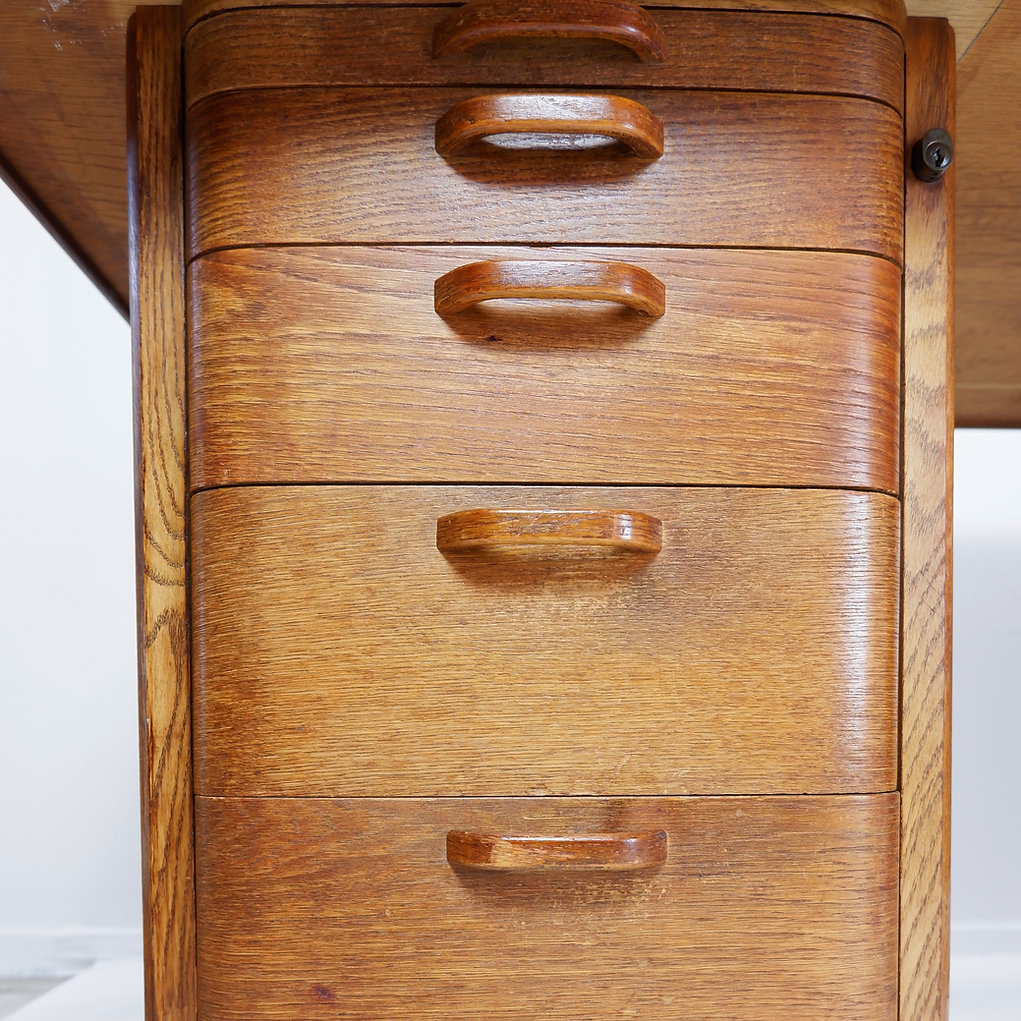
279	166
969	18
888	12
989	226
393	46
928	474
337	651
158	322
768	368
765	908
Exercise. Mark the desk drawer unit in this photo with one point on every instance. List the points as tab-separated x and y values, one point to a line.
549	477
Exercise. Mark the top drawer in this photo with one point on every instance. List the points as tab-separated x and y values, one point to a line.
600	43
360	165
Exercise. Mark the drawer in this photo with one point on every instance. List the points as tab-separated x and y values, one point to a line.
337	651
764	908
333	365
341	165
697	49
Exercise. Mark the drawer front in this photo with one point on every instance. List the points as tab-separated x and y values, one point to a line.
333	365
887	12
696	49
337	651
336	165
764	908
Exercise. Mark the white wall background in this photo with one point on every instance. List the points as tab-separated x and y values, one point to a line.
986	790
69	844
69	817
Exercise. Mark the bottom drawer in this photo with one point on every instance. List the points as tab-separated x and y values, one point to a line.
764	908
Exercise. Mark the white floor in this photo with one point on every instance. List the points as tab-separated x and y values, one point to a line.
983	987
108	991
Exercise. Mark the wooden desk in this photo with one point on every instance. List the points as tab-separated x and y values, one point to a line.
250	785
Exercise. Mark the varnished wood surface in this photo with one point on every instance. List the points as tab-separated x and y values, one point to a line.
62	141
928	447
968	18
393	46
279	166
584	117
766	908
888	12
549	279
483	21
988	216
337	651
157	298
768	368
613	852
488	528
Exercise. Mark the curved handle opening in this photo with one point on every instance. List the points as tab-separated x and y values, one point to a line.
485	21
629	531
553	117
608	852
619	282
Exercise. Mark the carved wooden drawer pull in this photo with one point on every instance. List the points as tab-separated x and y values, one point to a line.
614	852
488	20
476	529
469	285
559	116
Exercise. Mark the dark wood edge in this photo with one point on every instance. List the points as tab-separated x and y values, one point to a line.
987	407
157	268
62	236
927	537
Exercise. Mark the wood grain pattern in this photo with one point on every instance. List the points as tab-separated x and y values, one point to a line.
988	226
338	652
485	528
595	118
766	908
969	18
62	133
743	50
546	279
928	445
768	368
613	852
157	300
887	12
484	21
290	166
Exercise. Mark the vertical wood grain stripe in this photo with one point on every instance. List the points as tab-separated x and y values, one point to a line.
158	323
928	436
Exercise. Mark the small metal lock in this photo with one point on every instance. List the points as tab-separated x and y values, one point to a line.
932	155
